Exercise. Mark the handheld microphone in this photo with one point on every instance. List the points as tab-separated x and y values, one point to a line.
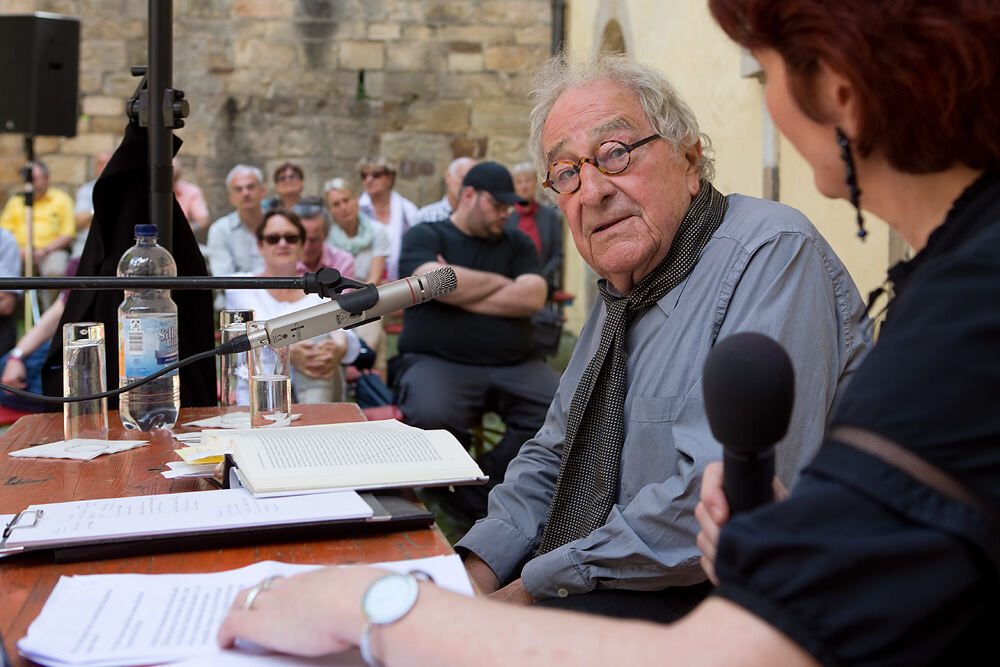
749	389
327	317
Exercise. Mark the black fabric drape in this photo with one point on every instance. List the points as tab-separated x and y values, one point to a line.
121	201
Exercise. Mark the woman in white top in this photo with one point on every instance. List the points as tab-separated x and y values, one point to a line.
317	376
385	205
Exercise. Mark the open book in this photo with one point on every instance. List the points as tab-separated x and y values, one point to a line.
359	455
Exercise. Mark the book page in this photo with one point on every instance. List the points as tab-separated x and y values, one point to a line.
353	455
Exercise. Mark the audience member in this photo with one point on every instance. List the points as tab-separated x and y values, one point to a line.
385	205
317	376
53	228
597	511
10	267
192	202
83	210
317	253
441	209
542	224
368	241
474	345
289	181
232	239
356	232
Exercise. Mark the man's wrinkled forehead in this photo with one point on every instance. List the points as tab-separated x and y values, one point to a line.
595	136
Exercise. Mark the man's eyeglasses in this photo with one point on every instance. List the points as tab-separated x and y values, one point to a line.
274	239
612	157
378	173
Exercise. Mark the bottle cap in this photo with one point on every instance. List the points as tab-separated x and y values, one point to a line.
145	230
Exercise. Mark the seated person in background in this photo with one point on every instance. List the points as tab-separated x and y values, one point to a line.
542	224
54	226
289	181
317	376
386	206
368	241
469	352
232	239
192	202
597	511
10	267
83	209
317	253
441	209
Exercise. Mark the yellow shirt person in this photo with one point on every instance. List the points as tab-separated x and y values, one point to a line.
53	217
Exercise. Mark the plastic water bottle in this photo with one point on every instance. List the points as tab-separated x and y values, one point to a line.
147	337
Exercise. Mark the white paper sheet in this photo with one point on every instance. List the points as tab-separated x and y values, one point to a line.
167	513
79	449
112	620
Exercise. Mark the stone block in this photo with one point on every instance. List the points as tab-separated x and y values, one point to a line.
513	58
362	55
500	116
514	12
257	54
450	116
67	169
89	144
103	55
465	62
46	145
409	86
111	29
475	147
103	105
482	34
418	153
108	124
540	34
472	84
384	32
90	83
418	32
453	11
509	149
258	9
411	56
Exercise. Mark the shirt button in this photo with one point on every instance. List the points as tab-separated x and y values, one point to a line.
562	592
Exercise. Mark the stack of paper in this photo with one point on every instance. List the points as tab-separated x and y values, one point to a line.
112	620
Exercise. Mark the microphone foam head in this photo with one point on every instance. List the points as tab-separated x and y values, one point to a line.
441	281
749	389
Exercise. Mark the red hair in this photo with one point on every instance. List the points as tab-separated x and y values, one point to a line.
925	71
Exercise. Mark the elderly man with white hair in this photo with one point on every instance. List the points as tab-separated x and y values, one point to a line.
442	209
232	239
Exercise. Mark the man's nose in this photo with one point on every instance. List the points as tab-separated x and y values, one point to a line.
595	186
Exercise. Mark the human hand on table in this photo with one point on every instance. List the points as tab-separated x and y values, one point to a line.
320	359
712	511
14	374
310	614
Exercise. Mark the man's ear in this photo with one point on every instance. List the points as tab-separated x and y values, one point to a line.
692	157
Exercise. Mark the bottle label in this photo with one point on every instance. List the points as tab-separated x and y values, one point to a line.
145	345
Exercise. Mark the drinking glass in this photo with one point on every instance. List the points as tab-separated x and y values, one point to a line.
234	370
270	383
84	373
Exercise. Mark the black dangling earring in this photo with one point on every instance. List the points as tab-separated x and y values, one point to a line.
852	179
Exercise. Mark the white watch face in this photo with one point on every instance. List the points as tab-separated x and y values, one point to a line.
389	598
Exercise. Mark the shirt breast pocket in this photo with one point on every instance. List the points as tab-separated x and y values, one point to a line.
649	455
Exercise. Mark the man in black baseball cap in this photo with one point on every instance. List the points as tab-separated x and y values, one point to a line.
470	352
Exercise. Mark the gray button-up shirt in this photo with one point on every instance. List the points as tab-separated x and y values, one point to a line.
232	248
766	269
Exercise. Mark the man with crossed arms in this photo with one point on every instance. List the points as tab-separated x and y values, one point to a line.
596	512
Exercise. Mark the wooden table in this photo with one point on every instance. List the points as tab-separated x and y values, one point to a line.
26	581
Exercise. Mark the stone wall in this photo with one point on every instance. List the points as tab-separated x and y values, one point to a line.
276	80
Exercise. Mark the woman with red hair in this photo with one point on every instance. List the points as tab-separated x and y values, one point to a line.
887	550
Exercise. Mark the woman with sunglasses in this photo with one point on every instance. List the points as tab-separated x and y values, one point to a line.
887	551
289	182
318	377
381	202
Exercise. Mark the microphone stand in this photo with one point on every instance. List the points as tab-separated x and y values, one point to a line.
31	298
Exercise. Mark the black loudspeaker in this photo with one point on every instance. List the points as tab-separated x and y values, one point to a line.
39	74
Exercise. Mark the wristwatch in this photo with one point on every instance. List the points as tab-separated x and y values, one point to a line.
386	601
16	353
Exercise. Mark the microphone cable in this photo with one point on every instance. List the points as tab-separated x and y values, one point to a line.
238	344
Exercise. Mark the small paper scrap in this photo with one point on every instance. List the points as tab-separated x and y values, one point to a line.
231	420
81	449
